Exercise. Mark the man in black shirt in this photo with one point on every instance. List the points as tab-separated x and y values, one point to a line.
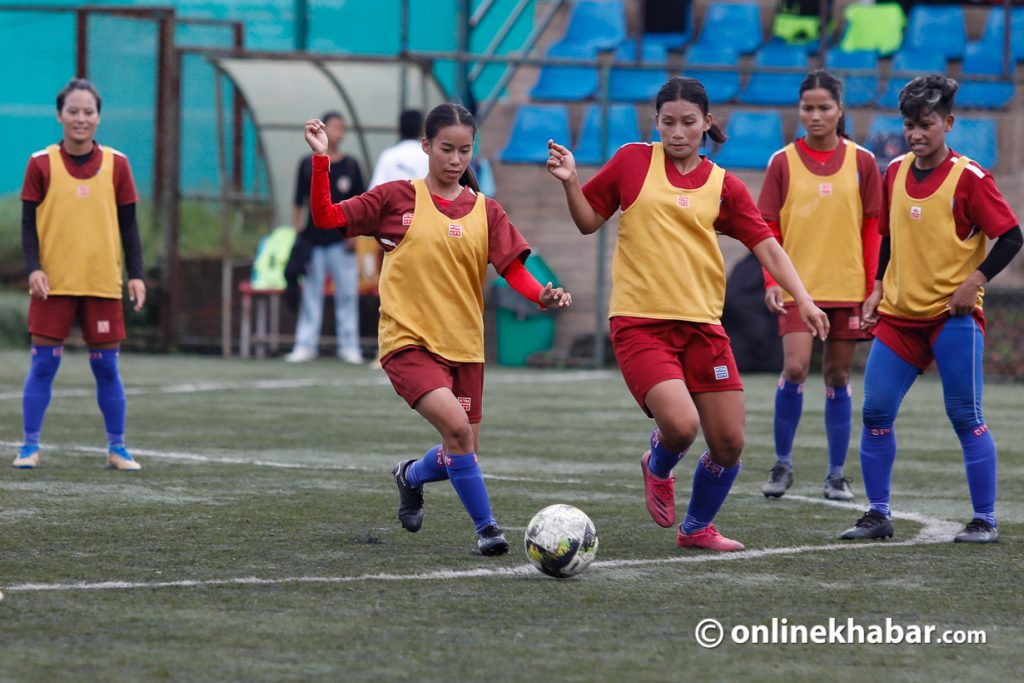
330	254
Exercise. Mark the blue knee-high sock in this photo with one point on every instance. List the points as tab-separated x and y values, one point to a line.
662	459
838	416
429	468
468	482
980	462
877	455
109	393
38	385
711	485
789	404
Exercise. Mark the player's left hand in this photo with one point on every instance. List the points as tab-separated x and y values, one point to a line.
555	297
964	298
137	293
814	318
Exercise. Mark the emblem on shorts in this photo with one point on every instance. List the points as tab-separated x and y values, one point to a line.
854	323
825	189
454	230
407	219
915	213
103	326
466	402
683	201
721	372
83	191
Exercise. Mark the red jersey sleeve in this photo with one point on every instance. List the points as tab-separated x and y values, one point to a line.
124	182
602	191
870	183
979	205
739	216
887	184
871	241
326	214
33	188
522	281
773	191
504	241
776	229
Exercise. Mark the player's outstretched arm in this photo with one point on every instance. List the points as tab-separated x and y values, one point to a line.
562	165
775	260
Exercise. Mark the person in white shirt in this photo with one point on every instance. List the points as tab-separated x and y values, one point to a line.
406	159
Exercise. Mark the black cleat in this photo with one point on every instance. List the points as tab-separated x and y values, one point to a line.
978	531
838	488
780	478
872	525
410	500
491	541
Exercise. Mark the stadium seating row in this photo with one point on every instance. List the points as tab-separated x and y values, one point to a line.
879	27
639	84
733	29
753	136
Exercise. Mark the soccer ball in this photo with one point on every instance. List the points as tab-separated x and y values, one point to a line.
561	541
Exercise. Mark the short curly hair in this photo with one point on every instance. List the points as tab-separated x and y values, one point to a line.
927	94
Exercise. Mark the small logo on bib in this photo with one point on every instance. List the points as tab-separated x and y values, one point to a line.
83	191
683	201
407	219
915	213
825	189
454	230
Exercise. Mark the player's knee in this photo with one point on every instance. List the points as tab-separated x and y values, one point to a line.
458	437
679	434
795	371
877	416
963	415
837	378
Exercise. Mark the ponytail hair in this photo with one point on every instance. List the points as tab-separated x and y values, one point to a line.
926	94
689	90
452	114
819	78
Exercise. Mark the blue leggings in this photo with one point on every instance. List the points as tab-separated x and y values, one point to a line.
958	350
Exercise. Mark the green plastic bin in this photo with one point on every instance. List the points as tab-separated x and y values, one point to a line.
522	327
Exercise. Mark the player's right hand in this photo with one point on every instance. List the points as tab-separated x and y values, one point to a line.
316	136
561	162
869	309
773	300
38	284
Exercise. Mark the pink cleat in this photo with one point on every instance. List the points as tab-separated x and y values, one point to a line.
660	494
708	538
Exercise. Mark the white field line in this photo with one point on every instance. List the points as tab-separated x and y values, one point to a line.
302	383
934	530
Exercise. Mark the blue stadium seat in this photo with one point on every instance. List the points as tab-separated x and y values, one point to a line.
776	88
983	59
640	84
937	28
567	82
858	91
847	125
914	61
975	138
674	41
753	138
722	86
622	128
995	30
736	25
534	125
600	24
885	139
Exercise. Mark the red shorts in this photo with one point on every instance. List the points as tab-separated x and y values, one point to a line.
843	321
414	371
652	351
101	320
912	339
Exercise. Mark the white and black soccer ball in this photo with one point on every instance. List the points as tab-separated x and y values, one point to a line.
561	541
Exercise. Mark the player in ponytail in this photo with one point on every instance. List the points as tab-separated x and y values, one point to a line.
668	289
821	197
438	234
